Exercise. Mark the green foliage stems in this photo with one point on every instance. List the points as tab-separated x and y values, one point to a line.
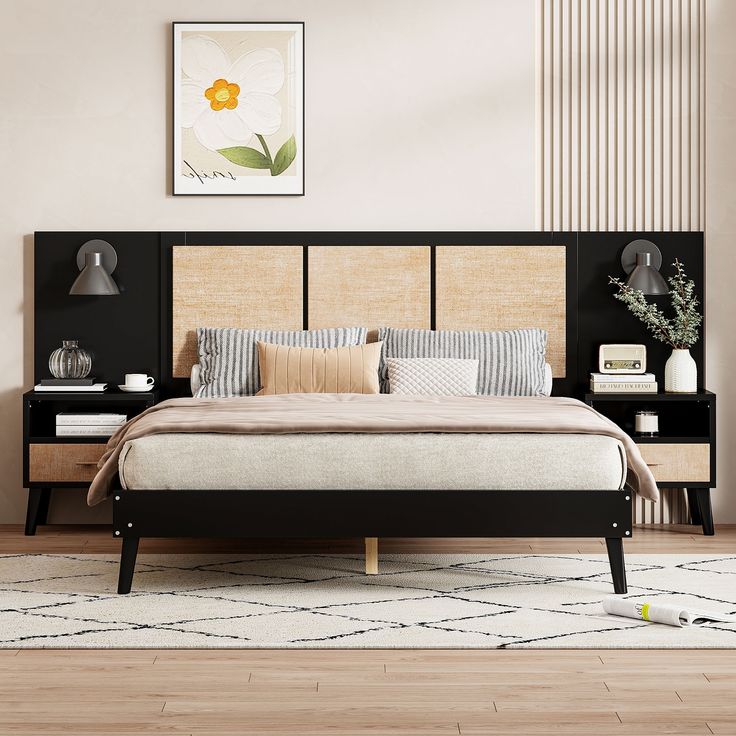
680	331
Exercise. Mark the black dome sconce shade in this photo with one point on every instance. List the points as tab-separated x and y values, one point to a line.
96	260
641	259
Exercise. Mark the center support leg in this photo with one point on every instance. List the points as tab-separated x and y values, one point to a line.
615	547
371	555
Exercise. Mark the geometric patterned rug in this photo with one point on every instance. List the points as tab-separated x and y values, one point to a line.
326	601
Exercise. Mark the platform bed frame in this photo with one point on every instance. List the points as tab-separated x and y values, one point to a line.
588	314
371	514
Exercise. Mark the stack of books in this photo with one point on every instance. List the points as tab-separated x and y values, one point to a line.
76	385
623	383
87	424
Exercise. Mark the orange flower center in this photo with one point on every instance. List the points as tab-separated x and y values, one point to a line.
222	94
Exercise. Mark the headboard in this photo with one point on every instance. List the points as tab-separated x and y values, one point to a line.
290	287
430	284
172	282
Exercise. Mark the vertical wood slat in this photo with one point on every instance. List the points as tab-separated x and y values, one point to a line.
620	114
701	113
671	509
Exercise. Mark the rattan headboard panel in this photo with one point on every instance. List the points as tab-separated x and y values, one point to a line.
371	286
474	287
495	287
232	286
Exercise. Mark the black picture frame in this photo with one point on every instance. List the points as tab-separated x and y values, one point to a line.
176	26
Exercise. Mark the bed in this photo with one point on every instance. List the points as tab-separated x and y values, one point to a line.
375	466
321	465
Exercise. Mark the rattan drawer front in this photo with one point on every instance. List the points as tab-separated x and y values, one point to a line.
678	462
63	463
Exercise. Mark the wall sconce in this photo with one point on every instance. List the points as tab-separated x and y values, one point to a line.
642	260
96	260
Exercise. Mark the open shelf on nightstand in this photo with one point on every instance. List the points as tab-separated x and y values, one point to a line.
683	454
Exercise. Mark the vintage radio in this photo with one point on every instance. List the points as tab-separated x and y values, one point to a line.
622	359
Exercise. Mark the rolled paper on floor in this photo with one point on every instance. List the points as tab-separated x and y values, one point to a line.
661	612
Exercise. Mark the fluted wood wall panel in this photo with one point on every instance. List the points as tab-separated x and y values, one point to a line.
671	509
621	114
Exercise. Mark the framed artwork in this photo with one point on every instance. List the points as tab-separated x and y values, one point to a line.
238	108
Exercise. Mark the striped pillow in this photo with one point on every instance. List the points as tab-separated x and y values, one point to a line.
228	356
289	370
511	363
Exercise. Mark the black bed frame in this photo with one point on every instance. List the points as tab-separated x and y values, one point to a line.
384	513
145	268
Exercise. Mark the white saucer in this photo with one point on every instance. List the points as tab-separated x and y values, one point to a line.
135	389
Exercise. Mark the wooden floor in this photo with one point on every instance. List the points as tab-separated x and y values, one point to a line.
310	692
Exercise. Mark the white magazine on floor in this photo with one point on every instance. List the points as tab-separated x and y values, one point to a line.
661	612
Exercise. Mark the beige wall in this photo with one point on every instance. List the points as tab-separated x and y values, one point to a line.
720	241
420	115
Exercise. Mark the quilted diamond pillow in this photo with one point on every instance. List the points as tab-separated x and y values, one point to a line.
433	376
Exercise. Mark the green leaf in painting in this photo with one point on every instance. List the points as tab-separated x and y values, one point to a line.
284	157
244	156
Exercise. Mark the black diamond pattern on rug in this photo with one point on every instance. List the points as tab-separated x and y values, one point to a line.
320	601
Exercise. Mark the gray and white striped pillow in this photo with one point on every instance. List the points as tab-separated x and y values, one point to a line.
228	356
511	362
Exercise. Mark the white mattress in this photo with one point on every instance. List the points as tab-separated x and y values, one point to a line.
373	462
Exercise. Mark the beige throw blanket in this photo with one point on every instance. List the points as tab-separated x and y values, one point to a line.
376	413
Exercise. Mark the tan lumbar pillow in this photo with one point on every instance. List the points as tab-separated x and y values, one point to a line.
291	370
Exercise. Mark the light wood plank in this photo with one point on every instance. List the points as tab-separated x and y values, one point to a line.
553	726
98	539
726	726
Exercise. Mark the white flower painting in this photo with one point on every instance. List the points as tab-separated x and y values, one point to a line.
238	108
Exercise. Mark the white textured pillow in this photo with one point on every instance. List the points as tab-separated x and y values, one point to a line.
433	376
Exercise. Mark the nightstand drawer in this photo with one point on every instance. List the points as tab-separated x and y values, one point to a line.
63	463
678	462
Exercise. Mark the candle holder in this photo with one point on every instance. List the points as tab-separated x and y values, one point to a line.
646	423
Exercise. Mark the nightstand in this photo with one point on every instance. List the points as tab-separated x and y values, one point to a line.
683	454
51	462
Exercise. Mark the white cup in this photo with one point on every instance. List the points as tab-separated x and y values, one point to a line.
138	380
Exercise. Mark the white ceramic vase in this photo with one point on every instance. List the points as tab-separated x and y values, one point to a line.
680	373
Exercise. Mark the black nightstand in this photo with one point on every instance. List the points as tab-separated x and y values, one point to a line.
65	462
683	454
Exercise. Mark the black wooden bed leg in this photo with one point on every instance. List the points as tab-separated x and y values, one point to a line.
705	510
127	564
692	502
615	546
38	508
